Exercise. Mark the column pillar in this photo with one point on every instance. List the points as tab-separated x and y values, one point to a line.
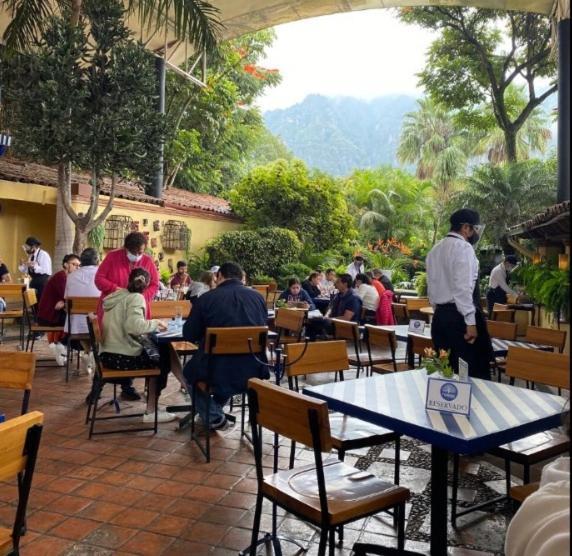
564	110
156	189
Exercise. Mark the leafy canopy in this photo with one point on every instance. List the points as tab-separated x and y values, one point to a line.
285	194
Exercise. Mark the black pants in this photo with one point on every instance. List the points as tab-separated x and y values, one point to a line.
448	332
495	295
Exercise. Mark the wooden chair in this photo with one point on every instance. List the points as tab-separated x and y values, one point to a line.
503	331
19	444
228	341
13	292
17	371
105	376
326	494
400	313
30	319
413	305
520	492
503	313
349	331
348	433
416	345
78	306
170	309
385	341
552	369
289	324
546	336
262	289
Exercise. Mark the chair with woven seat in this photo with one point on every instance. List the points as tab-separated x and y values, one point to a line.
547	337
13	293
535	366
289	324
19	444
228	341
400	313
328	494
105	376
30	319
170	309
348	433
384	340
82	306
350	332
416	346
17	371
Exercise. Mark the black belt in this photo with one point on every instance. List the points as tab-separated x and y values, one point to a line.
446	305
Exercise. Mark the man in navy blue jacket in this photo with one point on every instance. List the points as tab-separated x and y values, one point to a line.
229	304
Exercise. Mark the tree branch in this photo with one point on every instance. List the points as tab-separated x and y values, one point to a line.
64	179
532	104
103	215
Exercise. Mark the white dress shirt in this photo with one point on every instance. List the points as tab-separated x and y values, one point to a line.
369	296
497	279
353	271
41	263
80	283
541	526
452	271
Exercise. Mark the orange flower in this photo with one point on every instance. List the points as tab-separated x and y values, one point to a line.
430	352
443	354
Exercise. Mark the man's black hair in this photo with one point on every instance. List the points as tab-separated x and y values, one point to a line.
89	257
134	241
33	242
346	279
363	278
511	259
181	264
230	270
464	216
330	270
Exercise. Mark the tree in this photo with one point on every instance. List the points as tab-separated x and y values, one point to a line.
224	124
508	194
285	194
86	99
431	139
469	64
193	20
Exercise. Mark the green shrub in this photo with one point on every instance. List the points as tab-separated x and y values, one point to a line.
261	251
197	264
262	279
165	276
420	282
291	270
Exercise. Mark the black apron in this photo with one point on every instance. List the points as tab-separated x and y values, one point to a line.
38	281
496	295
448	331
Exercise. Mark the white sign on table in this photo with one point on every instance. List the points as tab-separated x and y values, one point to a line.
416	326
448	396
463	370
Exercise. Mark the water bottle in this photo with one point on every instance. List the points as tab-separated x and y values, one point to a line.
179	318
172	326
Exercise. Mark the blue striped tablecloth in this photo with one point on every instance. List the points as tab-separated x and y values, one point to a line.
499	413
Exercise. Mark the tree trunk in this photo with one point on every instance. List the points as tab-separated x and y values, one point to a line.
80	240
510	140
64	231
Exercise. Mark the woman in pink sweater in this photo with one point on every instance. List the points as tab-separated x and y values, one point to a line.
113	272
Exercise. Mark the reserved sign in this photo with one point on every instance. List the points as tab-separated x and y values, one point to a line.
417	326
449	396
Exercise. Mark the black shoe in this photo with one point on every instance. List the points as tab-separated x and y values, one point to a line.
130	395
219	425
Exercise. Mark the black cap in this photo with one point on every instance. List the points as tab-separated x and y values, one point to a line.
32	241
511	259
465	216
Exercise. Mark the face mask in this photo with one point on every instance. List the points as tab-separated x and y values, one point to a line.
478	230
134	258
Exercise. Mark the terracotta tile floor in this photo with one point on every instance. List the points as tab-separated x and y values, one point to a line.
142	493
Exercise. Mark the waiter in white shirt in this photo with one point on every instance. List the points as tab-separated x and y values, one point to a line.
38	265
498	287
356	266
453	287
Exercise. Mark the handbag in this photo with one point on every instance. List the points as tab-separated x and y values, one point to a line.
150	348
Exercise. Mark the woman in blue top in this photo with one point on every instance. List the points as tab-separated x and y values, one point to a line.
295	294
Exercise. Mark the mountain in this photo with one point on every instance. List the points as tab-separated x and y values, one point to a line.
339	134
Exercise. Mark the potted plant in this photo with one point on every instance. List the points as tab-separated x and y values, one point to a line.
438	363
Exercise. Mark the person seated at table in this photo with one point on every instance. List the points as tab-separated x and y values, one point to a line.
81	283
230	304
498	283
205	284
180	279
51	306
383	279
294	294
327	285
369	296
5	277
311	287
346	304
121	347
379	287
541	526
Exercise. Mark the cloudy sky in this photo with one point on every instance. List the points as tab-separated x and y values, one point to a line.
360	54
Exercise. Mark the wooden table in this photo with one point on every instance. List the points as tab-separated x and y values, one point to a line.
499	414
428	311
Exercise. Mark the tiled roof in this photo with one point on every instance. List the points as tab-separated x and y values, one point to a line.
30	172
550	223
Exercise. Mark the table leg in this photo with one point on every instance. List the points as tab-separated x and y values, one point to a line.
439	462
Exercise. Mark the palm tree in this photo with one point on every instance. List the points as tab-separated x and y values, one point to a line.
431	139
193	20
532	137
